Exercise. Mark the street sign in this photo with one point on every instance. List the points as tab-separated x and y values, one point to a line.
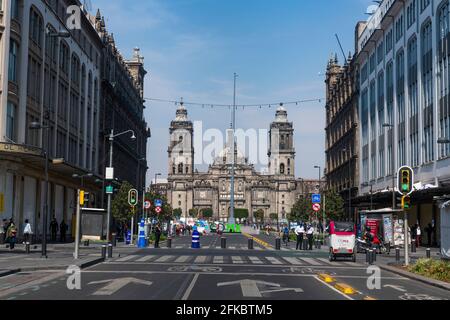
158	203
316	198
158	209
316	207
405	182
133	197
147	204
109	189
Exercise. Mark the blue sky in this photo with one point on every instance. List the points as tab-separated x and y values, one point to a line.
193	47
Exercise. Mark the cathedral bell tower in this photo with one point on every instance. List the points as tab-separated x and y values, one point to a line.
181	148
281	145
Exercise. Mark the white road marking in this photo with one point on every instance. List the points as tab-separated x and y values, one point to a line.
237	260
114	285
333	263
191	286
233	248
146	258
206	247
311	261
274	260
182	259
218	259
164	259
333	288
127	258
200	259
255	260
293	261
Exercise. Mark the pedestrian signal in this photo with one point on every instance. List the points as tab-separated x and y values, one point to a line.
406	202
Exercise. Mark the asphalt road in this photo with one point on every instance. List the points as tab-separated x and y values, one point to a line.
211	273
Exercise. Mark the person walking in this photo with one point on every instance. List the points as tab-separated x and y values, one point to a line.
54	228
309	234
418	236
63	231
429	231
286	235
299	231
157	235
11	234
27	231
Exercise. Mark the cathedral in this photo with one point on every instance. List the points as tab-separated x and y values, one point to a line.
273	193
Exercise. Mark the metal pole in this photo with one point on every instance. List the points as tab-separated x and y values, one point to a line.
132	228
77	227
393	171
231	219
406	239
46	211
108	213
350	185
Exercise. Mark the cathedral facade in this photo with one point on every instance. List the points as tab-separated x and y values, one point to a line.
273	193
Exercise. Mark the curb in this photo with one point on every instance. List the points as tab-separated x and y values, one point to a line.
432	282
5	273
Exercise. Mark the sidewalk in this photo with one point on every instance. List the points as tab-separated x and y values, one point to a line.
59	257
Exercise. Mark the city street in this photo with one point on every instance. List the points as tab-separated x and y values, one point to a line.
211	273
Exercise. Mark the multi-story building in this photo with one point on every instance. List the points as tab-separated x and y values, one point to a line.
273	193
54	76
342	139
403	58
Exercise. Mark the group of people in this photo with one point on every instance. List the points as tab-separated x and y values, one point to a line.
181	229
416	234
305	236
55	227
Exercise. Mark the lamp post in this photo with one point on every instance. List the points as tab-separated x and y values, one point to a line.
112	136
82	176
38	126
323	209
231	219
387	125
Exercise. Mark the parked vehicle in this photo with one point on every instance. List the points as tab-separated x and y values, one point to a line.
342	240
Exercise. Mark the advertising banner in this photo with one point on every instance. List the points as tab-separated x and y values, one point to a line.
388	228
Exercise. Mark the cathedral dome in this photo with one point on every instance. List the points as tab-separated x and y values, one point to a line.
281	114
182	114
224	157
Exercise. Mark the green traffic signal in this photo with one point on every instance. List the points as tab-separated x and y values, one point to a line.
405	183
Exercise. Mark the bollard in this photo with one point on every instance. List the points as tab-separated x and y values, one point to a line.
428	253
114	240
374	255
169	242
86	243
413	246
397	254
250	244
223	243
27	248
110	250
104	252
367	257
277	244
319	244
370	256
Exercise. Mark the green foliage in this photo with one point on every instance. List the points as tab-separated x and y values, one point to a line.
120	208
436	269
177	213
334	210
334	206
259	215
273	216
240	213
207	213
302	210
193	213
166	213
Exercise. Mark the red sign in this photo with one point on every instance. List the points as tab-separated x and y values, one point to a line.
316	207
158	209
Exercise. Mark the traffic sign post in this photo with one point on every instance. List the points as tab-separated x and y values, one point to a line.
316	207
109	189
158	203
158	210
405	186
147	204
316	198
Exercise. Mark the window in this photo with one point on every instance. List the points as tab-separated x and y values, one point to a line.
390	114
443	78
365	138
282	168
399	29
389	41
373	131
11	121
12	67
424	4
380	52
36	27
427	93
51	45
15	9
364	74
400	74
34	80
411	13
64	58
413	94
372	63
180	168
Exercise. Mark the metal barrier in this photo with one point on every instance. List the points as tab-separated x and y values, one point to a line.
169	243
223	243
413	246
397	254
250	244
104	251
27	248
278	244
110	250
428	253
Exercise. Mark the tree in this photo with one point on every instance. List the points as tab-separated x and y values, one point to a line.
273	217
259	215
334	205
177	213
193	212
207	213
120	209
302	210
241	213
166	213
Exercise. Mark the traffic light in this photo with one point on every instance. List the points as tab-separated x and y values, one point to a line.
406	202
84	197
133	197
405	180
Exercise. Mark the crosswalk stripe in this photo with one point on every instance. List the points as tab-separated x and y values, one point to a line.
311	261
333	263
206	247
218	247
200	259
146	258
237	260
255	260
274	260
127	258
218	259
294	261
164	258
233	248
179	247
182	259
353	264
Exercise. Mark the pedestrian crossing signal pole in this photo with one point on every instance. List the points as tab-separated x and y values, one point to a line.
406	187
80	201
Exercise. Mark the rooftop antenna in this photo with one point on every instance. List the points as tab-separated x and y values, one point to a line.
342	50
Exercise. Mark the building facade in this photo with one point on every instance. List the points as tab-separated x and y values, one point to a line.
50	75
188	189
342	139
403	56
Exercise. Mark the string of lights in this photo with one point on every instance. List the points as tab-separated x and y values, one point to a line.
213	105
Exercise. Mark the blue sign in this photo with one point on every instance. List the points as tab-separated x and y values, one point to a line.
316	198
158	203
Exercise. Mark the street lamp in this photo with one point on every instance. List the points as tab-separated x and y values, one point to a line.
38	126
390	126
82	176
112	136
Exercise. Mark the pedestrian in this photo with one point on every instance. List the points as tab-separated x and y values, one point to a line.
429	231
27	232
309	234
63	230
299	231
157	235
286	235
54	228
418	236
11	234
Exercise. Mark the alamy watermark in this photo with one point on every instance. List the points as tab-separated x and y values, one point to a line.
74	280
